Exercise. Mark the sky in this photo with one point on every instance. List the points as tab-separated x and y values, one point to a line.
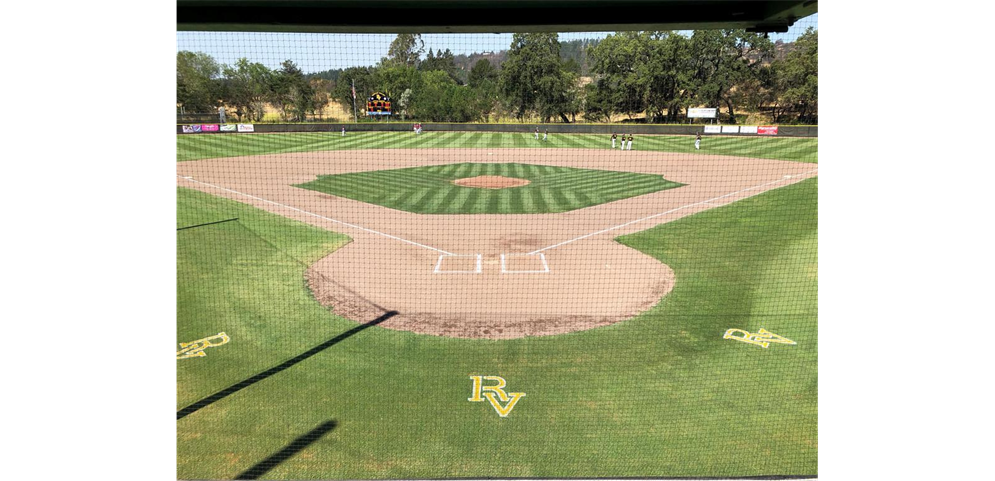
314	52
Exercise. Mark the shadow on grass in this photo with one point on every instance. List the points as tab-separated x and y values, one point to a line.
295	446
182	413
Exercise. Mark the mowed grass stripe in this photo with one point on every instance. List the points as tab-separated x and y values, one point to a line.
569	141
430	189
201	146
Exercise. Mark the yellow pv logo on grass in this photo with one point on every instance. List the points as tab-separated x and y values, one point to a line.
196	348
762	338
493	393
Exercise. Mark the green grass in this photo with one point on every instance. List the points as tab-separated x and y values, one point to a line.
215	293
205	146
429	189
659	395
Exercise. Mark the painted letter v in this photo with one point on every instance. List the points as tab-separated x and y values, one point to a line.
504	411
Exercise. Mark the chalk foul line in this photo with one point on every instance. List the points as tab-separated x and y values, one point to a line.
671	211
354	226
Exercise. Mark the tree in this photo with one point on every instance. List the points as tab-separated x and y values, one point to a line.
292	92
404	102
597	102
441	99
664	77
798	76
483	79
615	62
532	77
444	62
481	73
364	79
721	59
393	79
405	49
320	95
197	85
247	86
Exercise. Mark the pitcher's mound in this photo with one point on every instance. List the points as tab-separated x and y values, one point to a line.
491	182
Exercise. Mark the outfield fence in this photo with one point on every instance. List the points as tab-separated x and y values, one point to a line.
608	129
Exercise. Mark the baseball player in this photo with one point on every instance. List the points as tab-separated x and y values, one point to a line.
697	141
630	143
343	131
537	133
545	134
613	140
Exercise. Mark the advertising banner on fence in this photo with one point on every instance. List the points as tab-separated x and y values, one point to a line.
228	128
210	127
748	129
730	129
712	129
702	113
188	129
246	128
195	128
767	130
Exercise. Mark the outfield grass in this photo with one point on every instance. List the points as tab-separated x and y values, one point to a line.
205	146
429	189
659	395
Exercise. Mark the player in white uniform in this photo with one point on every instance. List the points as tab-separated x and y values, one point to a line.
613	140
343	131
697	142
537	133
545	134
630	143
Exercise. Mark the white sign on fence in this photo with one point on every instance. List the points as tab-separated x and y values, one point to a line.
748	129
246	128
730	129
700	113
712	129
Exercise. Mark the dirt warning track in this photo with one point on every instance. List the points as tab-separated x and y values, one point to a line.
496	276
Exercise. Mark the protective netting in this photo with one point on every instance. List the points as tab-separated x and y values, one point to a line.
500	255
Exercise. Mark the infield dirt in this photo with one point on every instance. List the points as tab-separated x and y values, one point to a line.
576	276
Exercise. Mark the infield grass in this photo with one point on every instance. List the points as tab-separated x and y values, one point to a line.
206	146
430	189
659	395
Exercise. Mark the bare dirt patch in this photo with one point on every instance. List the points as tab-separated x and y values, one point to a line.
491	182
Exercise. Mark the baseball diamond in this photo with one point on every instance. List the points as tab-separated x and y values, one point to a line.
335	264
583	260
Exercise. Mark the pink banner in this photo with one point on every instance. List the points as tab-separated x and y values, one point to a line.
210	127
767	130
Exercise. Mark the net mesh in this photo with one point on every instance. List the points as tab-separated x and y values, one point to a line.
500	255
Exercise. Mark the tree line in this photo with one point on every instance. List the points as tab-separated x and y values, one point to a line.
659	74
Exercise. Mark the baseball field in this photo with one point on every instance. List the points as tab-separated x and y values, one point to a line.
363	281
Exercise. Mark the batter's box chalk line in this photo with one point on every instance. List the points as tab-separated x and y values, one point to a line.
541	257
478	264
